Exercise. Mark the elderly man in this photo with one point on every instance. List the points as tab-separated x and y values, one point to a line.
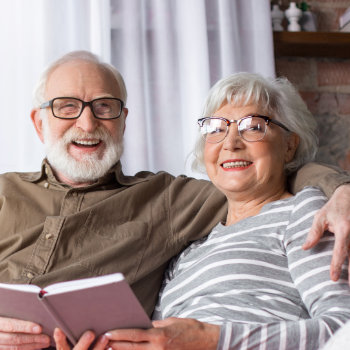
80	216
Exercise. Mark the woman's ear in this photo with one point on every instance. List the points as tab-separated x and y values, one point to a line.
292	145
38	123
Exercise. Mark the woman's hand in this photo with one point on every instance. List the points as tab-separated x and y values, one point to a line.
21	335
83	344
334	217
170	334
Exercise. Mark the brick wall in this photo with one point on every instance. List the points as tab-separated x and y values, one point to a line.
324	84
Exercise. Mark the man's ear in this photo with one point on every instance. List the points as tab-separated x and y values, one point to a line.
38	123
292	145
125	114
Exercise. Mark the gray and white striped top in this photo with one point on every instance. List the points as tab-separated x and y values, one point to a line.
254	279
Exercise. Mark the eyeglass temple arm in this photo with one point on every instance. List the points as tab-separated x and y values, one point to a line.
45	104
279	124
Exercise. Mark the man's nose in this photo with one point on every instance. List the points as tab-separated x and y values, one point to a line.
87	121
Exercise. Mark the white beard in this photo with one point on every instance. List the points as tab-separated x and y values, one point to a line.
89	168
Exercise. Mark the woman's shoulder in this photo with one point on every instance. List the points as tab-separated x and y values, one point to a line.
304	205
309	195
310	191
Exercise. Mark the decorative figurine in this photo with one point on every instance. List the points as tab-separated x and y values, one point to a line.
277	17
293	14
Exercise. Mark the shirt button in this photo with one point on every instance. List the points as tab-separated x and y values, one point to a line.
30	275
48	235
46	185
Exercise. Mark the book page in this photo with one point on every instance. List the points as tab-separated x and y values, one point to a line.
24	287
63	287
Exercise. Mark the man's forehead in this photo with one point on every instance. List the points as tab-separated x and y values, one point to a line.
81	76
70	70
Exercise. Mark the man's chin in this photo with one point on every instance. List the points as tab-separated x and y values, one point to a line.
86	159
85	153
85	170
81	166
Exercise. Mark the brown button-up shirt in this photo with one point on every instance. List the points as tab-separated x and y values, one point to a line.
51	232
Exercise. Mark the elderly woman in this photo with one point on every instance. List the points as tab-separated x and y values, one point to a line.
249	284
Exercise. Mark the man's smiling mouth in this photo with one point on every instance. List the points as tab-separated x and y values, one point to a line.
86	143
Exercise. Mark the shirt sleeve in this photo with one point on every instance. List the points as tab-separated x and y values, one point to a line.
327	177
327	302
195	207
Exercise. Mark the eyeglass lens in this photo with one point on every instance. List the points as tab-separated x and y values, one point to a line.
104	108
250	129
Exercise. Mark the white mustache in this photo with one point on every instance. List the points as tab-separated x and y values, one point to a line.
74	134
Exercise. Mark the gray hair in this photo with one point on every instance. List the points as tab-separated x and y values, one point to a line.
39	91
278	98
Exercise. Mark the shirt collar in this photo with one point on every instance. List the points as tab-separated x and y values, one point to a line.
114	175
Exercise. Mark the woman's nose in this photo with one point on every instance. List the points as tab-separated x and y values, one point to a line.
233	139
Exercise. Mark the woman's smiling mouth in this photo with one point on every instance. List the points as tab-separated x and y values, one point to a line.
236	164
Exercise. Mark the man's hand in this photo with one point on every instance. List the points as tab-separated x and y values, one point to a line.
83	344
21	335
334	217
169	334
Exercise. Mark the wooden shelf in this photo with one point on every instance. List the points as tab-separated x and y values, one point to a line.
312	44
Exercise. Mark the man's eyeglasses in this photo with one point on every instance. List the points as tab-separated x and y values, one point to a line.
251	128
72	108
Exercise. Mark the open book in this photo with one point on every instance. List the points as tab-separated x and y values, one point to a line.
98	304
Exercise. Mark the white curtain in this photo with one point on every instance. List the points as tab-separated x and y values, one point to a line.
32	34
169	51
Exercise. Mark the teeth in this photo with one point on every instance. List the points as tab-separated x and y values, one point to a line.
87	142
238	164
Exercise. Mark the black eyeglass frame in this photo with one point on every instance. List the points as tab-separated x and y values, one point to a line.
267	120
84	104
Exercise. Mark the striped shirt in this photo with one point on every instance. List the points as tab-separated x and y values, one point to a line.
254	279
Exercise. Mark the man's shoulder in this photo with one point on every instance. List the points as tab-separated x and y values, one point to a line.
16	178
142	176
26	176
181	186
166	177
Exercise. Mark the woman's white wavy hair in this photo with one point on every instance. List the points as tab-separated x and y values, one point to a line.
39	91
277	98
